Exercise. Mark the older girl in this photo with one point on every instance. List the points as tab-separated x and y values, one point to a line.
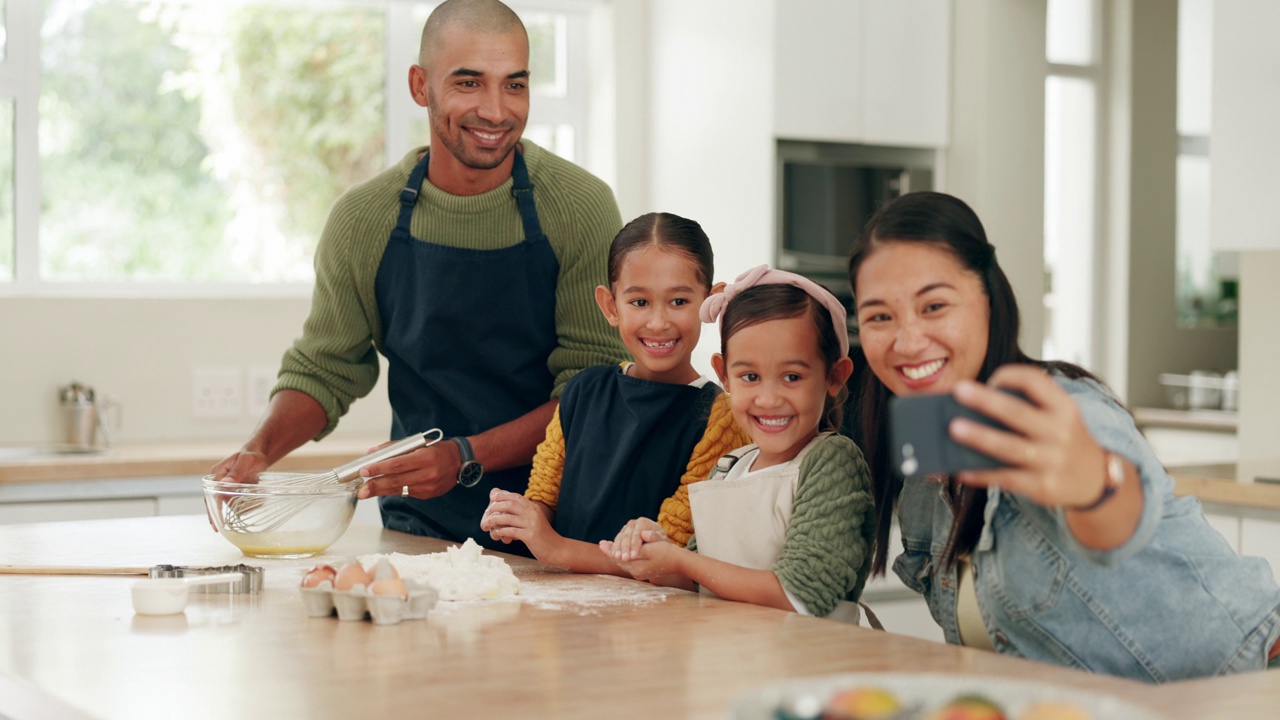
628	440
1076	552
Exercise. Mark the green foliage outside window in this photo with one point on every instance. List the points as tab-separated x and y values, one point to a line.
201	141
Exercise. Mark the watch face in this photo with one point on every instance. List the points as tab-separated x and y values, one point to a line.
470	474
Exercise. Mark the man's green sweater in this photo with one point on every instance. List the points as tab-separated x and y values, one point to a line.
335	360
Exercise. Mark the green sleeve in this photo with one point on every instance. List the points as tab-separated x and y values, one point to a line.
581	220
826	555
334	360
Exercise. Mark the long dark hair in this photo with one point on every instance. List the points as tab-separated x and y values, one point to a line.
777	301
949	224
669	232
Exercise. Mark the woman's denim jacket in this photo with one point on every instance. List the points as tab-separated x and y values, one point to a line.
1173	602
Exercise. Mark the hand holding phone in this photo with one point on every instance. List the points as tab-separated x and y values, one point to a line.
921	444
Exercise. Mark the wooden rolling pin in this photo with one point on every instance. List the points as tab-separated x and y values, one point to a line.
71	570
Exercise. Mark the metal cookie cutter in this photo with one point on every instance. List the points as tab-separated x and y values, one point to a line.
251	584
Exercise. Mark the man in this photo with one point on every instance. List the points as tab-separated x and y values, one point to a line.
441	264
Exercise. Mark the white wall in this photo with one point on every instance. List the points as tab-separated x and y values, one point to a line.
1259	350
995	161
1244	214
710	134
619	125
141	352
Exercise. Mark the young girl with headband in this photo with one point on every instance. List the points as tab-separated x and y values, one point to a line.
627	441
788	521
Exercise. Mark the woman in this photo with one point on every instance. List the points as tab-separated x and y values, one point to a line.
1076	552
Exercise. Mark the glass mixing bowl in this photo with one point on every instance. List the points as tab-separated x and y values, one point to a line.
283	515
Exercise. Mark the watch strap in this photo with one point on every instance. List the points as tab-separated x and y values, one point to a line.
464	447
470	470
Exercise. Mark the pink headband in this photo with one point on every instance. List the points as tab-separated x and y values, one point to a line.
713	307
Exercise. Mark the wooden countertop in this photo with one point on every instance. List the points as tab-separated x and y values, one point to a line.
1232	483
74	648
1217	420
166	459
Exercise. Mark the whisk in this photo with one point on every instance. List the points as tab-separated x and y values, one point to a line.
253	512
351	470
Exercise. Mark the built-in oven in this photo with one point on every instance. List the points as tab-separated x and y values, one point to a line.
827	192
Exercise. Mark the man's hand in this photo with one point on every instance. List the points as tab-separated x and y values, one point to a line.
428	472
242	467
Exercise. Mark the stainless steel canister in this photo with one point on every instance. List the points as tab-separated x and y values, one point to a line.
84	417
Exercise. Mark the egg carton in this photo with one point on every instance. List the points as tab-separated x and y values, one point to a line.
360	604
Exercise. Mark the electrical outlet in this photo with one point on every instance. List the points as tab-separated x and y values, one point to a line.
217	392
261	380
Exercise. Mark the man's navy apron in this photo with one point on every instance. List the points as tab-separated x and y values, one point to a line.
467	334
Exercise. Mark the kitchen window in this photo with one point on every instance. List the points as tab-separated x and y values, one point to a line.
169	146
1072	182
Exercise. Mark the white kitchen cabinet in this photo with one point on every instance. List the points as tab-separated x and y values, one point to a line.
1261	538
30	512
900	609
99	499
1244	154
908	617
874	72
1180	446
126	497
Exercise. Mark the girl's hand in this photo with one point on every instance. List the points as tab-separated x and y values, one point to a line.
1052	458
654	560
511	516
626	546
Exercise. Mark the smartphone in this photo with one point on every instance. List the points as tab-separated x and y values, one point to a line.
920	442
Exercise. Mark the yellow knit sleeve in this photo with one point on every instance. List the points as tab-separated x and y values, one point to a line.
548	465
722	437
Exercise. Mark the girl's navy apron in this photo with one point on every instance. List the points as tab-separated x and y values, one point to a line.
627	442
467	334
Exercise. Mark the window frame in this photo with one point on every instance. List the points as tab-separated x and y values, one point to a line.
20	78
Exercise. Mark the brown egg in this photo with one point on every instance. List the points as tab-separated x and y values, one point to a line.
384	569
319	574
352	575
390	586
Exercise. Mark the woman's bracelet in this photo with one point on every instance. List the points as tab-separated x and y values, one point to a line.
1114	478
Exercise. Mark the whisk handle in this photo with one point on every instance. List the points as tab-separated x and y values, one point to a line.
350	470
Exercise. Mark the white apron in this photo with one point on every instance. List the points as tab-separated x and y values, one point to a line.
741	516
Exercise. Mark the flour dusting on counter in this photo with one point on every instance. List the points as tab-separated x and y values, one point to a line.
589	593
464	573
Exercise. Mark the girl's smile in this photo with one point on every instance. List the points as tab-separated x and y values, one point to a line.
654	304
778	385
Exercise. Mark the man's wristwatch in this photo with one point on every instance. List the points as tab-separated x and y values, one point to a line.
471	471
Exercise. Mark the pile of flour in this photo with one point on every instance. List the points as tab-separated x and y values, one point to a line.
459	573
